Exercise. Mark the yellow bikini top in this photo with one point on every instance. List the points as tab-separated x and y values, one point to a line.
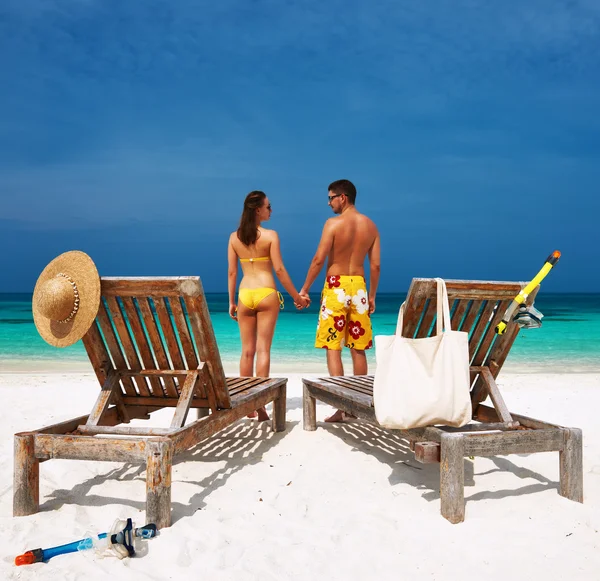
259	259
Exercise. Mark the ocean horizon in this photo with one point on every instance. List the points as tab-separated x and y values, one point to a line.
568	341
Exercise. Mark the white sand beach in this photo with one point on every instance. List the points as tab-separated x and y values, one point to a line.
345	502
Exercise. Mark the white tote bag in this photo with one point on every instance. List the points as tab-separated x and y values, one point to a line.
423	382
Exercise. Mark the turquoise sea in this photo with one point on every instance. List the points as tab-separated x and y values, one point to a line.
568	341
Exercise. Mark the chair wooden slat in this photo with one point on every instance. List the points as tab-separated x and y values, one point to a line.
482	289
471	318
490	336
480	327
157	345
412	315
495	395
163	402
123	337
339	392
187	394
366	380
204	334
97	353
114	348
205	388
464	289
247	383
166	326
233	381
184	334
143	347
200	337
107	393
459	313
148	287
200	340
349	383
427	320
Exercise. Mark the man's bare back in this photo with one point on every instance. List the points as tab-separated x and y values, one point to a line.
353	236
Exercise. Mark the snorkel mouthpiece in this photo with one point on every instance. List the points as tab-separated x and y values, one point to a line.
528	318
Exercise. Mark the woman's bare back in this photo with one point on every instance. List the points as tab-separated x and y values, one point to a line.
256	274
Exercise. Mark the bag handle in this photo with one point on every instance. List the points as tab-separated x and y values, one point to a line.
400	322
443	308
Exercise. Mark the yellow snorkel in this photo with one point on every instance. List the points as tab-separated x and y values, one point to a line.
527	317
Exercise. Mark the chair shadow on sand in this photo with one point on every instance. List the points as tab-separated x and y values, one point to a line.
239	445
392	449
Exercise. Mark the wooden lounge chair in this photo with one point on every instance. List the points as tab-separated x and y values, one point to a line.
476	307
152	346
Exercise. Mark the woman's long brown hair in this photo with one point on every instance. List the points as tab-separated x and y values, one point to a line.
247	231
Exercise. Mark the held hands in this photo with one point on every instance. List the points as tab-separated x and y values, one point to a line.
302	302
233	311
304	294
306	297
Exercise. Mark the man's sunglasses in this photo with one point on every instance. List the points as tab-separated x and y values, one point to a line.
334	196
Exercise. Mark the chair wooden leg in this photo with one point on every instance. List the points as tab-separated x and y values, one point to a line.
159	461
279	410
309	407
26	479
452	477
202	413
571	466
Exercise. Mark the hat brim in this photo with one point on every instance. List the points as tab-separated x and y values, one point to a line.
81	268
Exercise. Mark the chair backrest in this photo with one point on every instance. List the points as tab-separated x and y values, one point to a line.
157	323
476	307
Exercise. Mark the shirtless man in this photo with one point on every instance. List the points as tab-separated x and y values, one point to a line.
346	306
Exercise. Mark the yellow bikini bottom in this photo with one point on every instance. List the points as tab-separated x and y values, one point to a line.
251	297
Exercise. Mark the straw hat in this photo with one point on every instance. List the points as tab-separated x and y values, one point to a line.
66	298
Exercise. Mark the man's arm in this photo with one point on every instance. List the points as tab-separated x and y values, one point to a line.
375	267
320	256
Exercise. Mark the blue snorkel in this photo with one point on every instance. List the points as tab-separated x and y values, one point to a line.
119	541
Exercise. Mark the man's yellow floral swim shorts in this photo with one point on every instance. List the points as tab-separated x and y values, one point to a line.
344	318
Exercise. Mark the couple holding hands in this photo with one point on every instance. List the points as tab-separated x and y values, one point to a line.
346	306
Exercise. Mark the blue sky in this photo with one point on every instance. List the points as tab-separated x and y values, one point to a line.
133	131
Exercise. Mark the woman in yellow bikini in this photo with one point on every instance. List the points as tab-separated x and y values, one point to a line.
259	302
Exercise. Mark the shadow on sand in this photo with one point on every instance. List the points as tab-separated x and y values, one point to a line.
241	444
390	448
